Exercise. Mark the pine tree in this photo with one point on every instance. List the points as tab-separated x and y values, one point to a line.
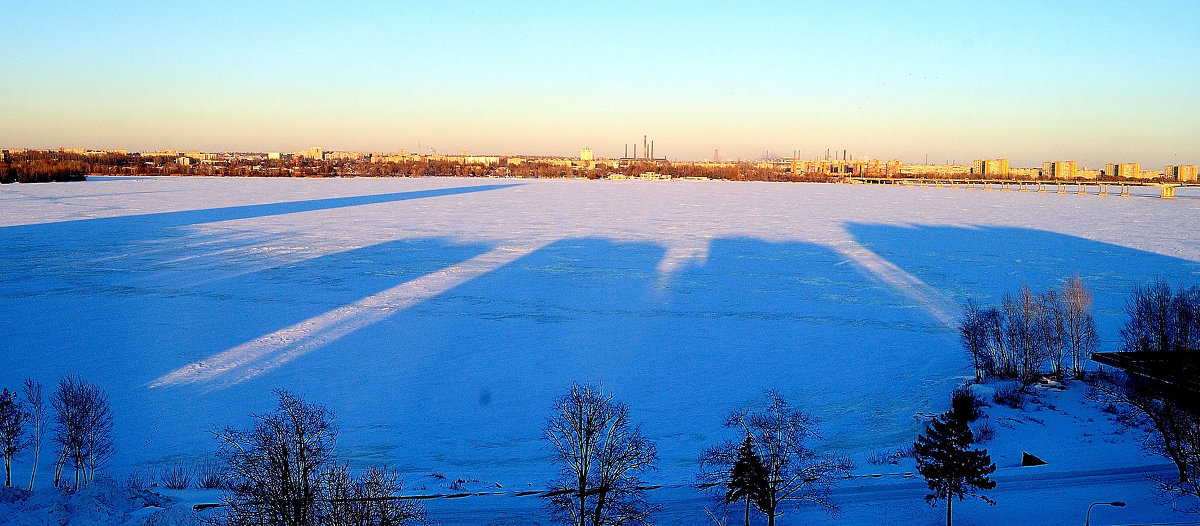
949	467
748	478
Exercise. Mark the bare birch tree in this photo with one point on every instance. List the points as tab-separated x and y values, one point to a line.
83	428
1080	327
1051	328
973	335
37	425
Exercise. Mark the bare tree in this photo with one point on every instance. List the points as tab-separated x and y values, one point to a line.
37	416
601	454
993	325
275	468
972	332
83	428
1152	325
97	431
1080	327
12	430
1023	339
1161	321
1051	328
795	473
1169	417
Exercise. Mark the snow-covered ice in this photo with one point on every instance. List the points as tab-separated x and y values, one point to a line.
439	318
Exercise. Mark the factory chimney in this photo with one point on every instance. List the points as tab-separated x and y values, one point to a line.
645	147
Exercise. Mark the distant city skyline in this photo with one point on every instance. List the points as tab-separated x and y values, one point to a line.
1091	82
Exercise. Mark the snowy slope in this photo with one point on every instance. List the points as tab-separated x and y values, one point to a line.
440	317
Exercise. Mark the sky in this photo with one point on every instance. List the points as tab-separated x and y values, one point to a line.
1092	81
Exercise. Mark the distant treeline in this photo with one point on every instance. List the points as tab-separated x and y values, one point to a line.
42	167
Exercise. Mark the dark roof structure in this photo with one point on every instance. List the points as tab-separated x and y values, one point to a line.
1176	374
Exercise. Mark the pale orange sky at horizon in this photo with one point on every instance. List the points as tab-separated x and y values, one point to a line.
891	82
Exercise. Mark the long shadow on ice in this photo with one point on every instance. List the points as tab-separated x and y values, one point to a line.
116	225
462	383
126	334
82	256
986	262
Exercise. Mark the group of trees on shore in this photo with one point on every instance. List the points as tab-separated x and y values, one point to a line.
1027	332
1053	332
82	429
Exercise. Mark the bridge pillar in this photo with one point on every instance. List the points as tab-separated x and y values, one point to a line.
1103	190
1124	191
1168	191
1062	189
1082	189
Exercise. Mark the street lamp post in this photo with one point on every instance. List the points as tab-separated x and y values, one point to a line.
1088	520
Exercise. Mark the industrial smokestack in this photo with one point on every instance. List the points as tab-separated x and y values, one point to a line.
651	150
716	157
645	147
626	151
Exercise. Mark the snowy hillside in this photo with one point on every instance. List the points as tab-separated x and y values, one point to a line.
439	318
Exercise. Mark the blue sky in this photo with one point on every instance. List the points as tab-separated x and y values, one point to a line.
1091	81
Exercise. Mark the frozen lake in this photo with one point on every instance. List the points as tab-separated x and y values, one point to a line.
439	318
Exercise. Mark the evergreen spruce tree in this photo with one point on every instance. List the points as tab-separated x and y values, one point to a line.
748	478
949	467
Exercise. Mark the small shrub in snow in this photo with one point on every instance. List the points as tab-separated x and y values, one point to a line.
984	432
878	458
175	476
209	475
1010	396
138	481
967	403
881	457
